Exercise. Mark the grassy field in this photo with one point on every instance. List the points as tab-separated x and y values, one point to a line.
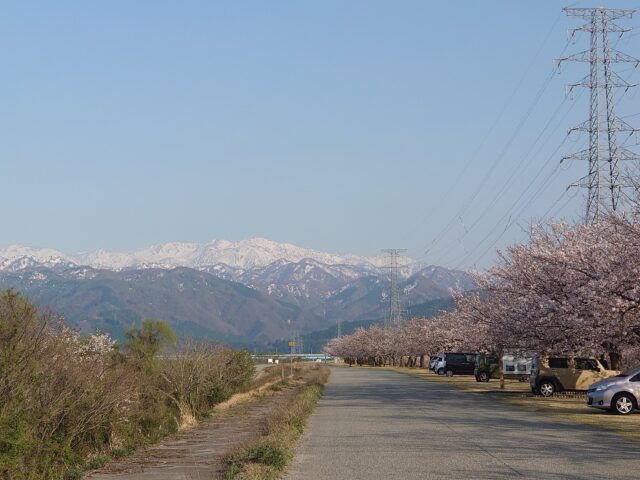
571	407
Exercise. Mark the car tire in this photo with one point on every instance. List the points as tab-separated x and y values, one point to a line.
449	373
484	377
440	371
623	403
547	388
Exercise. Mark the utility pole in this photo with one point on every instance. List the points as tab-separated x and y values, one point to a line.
292	344
395	314
604	181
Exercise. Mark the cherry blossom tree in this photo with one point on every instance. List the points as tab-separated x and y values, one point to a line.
571	289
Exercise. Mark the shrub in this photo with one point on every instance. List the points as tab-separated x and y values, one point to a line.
67	401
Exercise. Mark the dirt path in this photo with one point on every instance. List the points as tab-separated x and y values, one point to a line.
198	453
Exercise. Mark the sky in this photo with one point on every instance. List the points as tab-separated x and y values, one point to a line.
341	126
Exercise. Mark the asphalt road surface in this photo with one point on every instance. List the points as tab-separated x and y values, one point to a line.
377	424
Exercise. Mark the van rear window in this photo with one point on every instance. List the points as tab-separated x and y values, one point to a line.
558	363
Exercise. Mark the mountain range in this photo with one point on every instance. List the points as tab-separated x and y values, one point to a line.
253	292
245	254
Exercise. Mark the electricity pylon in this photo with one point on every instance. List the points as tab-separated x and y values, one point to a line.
604	181
395	313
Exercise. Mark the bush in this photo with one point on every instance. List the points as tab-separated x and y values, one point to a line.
68	402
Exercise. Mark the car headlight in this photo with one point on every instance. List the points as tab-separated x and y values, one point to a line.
604	387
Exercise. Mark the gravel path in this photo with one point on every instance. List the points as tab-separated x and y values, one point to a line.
376	424
196	454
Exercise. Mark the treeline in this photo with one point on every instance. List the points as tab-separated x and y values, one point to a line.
69	402
571	289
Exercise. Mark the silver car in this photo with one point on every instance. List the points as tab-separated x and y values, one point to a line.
434	361
619	394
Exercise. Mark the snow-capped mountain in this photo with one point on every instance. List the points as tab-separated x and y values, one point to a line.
305	282
244	255
18	257
219	289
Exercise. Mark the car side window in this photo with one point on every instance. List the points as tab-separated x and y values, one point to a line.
558	362
635	378
586	364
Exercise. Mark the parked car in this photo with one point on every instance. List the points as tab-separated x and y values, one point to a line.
437	364
432	361
516	365
620	394
457	364
555	374
486	367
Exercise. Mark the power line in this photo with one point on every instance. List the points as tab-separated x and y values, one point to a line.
515	205
462	211
514	213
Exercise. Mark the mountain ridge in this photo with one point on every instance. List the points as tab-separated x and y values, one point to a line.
250	253
251	298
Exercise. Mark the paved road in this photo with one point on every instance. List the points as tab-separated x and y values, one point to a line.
377	424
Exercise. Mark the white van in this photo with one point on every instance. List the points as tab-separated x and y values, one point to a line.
517	363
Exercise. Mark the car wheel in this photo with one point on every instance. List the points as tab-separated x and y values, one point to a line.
440	371
484	377
547	388
623	404
449	373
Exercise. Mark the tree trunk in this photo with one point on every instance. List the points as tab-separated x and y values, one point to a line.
616	360
422	361
501	365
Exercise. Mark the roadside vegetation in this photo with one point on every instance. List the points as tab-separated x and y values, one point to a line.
70	403
267	457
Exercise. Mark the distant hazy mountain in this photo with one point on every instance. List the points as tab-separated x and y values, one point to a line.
242	292
196	303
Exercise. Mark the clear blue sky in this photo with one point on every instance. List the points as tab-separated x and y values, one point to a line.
341	126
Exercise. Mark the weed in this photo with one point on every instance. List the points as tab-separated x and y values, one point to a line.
267	458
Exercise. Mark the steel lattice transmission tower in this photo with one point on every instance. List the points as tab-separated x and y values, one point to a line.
604	182
395	314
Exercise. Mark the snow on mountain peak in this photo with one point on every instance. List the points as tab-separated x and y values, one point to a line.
251	253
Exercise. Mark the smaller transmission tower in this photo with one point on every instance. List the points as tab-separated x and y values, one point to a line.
604	181
395	314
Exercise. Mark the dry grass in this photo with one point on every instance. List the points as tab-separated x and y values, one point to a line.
570	408
575	410
467	382
264	388
267	458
